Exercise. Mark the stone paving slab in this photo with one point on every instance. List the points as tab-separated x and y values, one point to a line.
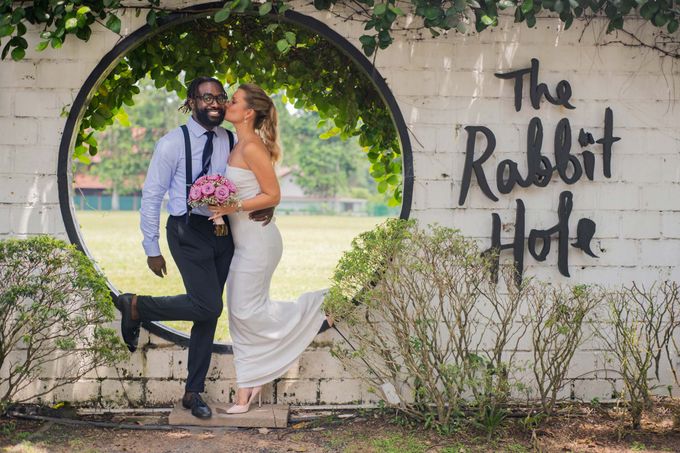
267	416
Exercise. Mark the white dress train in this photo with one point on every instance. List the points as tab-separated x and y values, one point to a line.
268	336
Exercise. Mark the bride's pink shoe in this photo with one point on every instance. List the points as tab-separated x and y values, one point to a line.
243	408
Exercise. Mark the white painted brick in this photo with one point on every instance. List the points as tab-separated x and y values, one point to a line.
423	139
5	218
221	366
640	224
434	194
640	113
437	55
662	252
474	222
660	196
6	102
429	166
164	392
670	170
224	390
602	389
6	159
401	81
29	189
395	56
321	364
34	220
78	391
341	391
158	363
50	131
132	367
660	141
24	131
32	160
670	225
584	365
640	168
51	102
297	391
617	252
619	196
122	393
19	74
450	140
63	73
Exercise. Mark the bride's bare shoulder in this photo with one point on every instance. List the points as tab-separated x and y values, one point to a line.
254	149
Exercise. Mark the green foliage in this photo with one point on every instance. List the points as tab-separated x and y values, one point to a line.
313	73
71	17
53	307
127	145
642	323
323	163
413	300
323	167
557	317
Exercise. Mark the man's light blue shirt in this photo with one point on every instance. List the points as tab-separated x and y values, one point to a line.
166	174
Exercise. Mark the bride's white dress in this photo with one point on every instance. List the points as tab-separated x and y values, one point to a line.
268	336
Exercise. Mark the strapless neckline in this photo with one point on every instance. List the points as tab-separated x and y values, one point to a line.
238	168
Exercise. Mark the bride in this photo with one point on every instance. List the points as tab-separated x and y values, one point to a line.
267	336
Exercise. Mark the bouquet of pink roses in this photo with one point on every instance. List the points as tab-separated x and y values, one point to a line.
213	190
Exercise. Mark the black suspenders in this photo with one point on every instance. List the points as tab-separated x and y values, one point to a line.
187	161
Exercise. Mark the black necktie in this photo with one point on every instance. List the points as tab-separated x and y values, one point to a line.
207	153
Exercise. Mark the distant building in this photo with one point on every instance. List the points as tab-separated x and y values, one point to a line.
90	193
294	200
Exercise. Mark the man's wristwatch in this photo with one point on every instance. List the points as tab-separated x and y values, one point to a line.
239	206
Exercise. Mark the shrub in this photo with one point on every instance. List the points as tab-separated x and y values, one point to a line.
416	303
639	332
437	334
53	308
556	317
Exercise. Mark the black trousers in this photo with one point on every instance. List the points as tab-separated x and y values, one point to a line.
203	259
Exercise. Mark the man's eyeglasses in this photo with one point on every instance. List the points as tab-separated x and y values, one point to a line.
209	98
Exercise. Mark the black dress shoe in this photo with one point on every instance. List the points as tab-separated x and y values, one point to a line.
129	328
198	407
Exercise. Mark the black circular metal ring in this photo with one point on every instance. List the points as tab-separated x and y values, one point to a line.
109	61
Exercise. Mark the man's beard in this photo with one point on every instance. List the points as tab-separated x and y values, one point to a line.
203	118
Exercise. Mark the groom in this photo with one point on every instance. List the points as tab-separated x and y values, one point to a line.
202	258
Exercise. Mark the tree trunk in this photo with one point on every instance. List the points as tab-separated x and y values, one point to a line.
115	200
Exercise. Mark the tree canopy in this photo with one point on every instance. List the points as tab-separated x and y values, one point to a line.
322	166
312	72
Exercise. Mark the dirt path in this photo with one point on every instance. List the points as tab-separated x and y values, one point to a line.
585	431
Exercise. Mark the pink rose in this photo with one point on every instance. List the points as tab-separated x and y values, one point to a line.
195	193
213	177
230	185
200	181
222	193
207	189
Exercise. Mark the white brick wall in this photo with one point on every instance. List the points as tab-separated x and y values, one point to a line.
441	86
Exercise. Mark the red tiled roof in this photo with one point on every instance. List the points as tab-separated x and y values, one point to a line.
83	181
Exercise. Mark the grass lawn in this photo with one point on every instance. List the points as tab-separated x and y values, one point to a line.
312	246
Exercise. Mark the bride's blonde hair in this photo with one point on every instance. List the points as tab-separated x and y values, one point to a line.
266	118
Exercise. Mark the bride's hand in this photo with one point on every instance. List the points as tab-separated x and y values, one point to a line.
219	211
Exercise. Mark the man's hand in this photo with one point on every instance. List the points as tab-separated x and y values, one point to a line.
263	215
157	265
